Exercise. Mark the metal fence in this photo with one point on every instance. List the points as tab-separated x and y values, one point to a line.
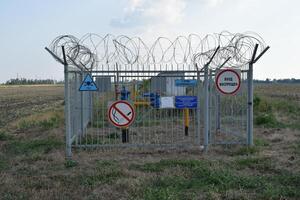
152	89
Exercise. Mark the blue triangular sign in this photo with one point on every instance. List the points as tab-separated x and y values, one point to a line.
88	84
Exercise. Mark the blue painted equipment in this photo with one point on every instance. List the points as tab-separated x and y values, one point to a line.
124	93
155	100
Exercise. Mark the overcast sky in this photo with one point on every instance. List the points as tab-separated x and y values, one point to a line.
27	26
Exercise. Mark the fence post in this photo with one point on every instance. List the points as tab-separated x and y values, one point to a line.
218	113
198	108
206	108
67	108
250	105
209	104
81	109
250	99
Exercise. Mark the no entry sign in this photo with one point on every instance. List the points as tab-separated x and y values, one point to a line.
228	81
121	114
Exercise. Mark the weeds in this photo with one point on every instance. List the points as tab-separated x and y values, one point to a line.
268	120
71	163
37	145
205	178
260	142
104	172
45	121
5	136
260	164
246	150
3	163
163	164
266	110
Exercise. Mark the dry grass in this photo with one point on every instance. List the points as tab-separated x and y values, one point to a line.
33	165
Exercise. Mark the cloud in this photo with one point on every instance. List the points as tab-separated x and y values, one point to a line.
139	13
213	3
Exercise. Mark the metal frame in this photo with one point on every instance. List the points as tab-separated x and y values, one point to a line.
76	126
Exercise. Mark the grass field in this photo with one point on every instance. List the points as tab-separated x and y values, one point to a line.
33	165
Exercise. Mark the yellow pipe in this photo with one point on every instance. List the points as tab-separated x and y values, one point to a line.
186	121
141	103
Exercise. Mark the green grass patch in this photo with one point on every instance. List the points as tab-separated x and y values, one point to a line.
164	164
44	121
265	119
5	136
71	163
105	172
208	177
261	142
3	163
246	150
260	164
89	139
276	113
33	146
261	105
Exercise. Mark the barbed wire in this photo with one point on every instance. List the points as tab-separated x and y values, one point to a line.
92	49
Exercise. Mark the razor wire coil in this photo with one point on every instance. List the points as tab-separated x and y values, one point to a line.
92	49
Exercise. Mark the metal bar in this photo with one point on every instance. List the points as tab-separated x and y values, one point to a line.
56	57
218	112
250	106
67	109
146	71
224	63
73	138
81	109
217	49
81	68
261	54
206	108
145	145
254	53
209	105
140	71
148	76
198	108
229	142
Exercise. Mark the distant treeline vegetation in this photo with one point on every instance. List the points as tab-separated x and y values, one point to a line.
24	81
286	80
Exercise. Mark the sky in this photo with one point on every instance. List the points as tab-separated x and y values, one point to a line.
27	26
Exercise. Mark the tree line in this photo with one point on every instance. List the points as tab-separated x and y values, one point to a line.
286	80
24	81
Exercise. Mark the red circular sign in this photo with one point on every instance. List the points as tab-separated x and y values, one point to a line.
228	81
121	114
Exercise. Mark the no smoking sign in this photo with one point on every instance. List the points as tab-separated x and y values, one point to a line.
228	81
121	114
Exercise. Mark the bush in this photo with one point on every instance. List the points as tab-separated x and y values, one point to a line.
265	119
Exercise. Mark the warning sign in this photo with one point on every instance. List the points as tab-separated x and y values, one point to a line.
186	101
121	114
228	81
88	84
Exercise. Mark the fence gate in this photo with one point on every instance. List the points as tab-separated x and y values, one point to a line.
157	96
170	91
